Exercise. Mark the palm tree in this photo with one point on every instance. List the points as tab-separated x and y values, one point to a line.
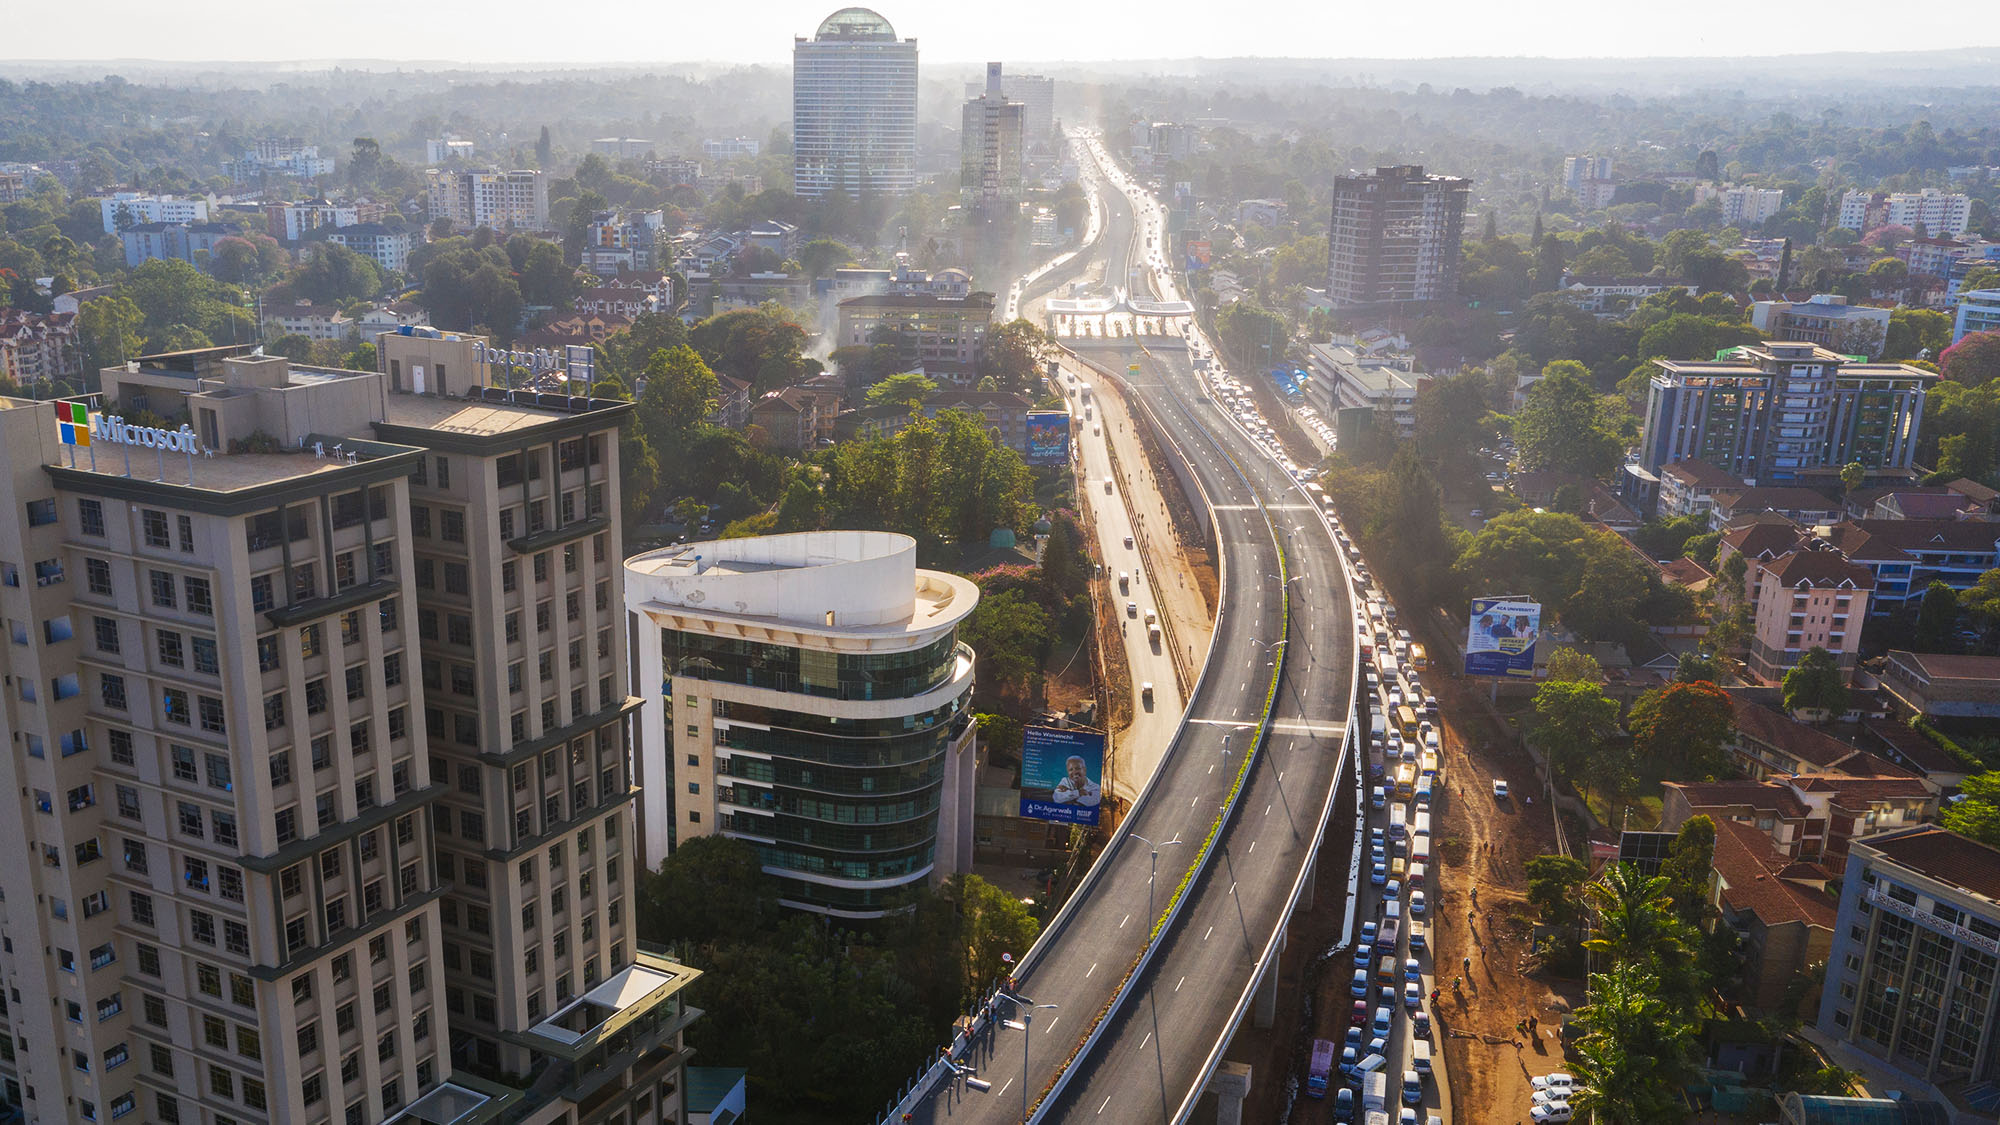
1635	921
1635	1051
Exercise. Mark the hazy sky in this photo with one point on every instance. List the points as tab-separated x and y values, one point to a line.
760	31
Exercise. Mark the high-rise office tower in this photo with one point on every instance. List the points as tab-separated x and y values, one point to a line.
808	694
991	143
1395	237
315	697
1034	91
854	108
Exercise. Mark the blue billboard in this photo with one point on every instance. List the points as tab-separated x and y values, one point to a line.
1501	638
1062	775
1048	437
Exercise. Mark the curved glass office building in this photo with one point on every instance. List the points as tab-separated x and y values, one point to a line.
808	695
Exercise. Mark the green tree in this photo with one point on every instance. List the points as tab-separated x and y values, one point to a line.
738	901
546	279
761	346
1977	813
1015	354
1937	619
1687	869
1567	665
1561	427
1634	1052
1982	600
335	275
822	255
294	347
108	331
1698	667
991	922
1450	414
1916	333
1686	724
680	393
1635	921
1009	633
1816	685
908	390
1577	721
1555	890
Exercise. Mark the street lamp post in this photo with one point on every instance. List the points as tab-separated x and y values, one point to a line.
1028	1008
1153	877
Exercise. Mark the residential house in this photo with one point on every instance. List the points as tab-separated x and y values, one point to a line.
1851	807
789	419
303	318
1778	907
1904	745
388	318
576	328
1689	488
75	299
1944	686
1807	818
618	300
779	238
1770	744
1937	503
1807	599
618	241
1804	505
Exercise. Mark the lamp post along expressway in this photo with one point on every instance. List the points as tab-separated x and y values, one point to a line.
1027	1023
1153	877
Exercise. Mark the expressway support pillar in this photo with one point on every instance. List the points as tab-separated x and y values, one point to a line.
1230	1085
1264	1008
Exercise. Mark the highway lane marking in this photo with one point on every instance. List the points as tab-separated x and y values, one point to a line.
1002	1092
1092	969
1267	812
1205	933
1177	987
1146	1040
1122	921
1291	727
1238	724
1051	1027
1253	843
1107	1101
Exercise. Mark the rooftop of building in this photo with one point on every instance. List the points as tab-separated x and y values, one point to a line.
1935	666
827	583
1759	538
1780	731
1817	570
1944	856
1924	755
1775	498
975	300
1696	473
1759	879
1876	540
1774	796
1849	790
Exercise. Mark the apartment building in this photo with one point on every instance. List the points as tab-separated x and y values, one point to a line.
854	108
127	208
1807	599
299	841
629	241
1939	685
1774	411
1037	94
1941	214
1978	311
36	347
1577	170
505	201
808	694
1749	206
1913	978
388	247
1395	237
1827	320
1345	377
186	242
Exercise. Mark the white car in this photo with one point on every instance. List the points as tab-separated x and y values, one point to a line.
1549	1097
1552	1112
1499	788
1557	1081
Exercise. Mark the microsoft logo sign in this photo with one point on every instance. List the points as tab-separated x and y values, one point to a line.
73	422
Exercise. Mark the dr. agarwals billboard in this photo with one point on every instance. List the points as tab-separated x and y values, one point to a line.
1062	775
1048	437
1501	641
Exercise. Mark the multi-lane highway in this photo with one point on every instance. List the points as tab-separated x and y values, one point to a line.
1155	1049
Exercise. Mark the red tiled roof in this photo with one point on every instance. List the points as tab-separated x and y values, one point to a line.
1950	666
1684	571
1863	788
1762	724
1755	880
1697	473
1777	499
1820	569
1949	858
1763	537
1754	794
1921	752
1930	535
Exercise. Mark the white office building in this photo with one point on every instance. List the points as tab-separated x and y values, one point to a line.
807	694
1941	214
854	108
1746	206
1978	311
516	200
991	141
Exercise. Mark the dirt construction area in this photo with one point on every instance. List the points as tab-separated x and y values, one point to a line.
1483	915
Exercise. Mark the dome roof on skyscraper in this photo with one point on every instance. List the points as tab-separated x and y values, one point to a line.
855	23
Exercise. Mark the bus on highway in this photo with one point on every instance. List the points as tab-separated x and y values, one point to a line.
1406	722
1419	660
1399	821
1406	782
1421	825
1322	1068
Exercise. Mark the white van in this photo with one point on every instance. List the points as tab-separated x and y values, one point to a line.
1392	911
1420	1055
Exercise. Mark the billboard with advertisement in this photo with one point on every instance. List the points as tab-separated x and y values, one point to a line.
1501	638
1062	775
1199	253
1048	437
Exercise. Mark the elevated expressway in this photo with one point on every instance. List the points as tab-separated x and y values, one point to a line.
1150	982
